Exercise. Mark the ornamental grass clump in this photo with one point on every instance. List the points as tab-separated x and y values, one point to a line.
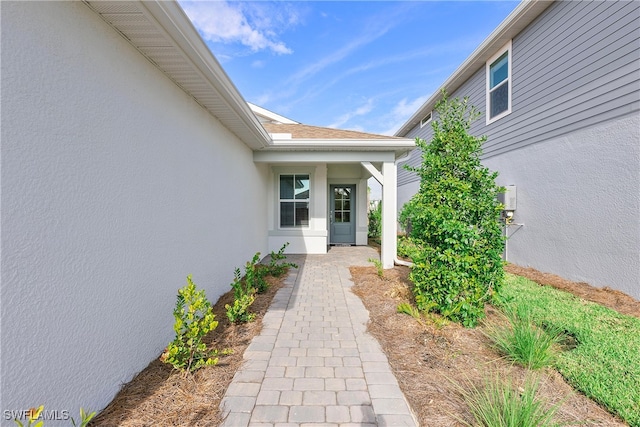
454	220
194	319
498	403
522	342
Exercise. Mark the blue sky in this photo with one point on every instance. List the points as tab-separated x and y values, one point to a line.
355	65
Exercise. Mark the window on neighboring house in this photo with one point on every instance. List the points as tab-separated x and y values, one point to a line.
294	200
499	84
426	119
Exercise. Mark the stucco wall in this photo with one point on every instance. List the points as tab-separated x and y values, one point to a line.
115	186
578	197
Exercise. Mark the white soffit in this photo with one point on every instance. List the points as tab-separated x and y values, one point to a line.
165	36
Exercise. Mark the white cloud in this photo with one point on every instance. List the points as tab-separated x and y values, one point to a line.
360	111
401	113
220	21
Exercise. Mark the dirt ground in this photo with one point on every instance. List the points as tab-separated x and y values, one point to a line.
162	396
428	360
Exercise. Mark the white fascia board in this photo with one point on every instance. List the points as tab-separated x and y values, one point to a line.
323	156
343	144
172	19
513	24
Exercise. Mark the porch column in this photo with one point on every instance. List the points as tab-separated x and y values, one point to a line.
389	236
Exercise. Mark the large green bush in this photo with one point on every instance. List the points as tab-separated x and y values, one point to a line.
454	219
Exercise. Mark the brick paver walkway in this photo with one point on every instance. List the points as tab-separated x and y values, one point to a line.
314	363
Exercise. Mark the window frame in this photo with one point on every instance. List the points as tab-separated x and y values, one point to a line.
293	200
507	48
426	119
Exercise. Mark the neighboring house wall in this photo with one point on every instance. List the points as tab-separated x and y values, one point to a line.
115	186
571	144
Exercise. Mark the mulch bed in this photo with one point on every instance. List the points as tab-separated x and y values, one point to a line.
428	360
163	396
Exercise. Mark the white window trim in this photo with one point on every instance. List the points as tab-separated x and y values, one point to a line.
428	118
293	227
505	48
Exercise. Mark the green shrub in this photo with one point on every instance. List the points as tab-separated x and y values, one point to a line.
277	268
254	275
194	319
243	297
375	221
454	219
521	341
499	404
239	311
407	247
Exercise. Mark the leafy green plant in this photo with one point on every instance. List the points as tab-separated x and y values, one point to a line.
243	294
34	413
277	268
85	418
378	265
254	275
499	404
239	312
375	221
407	247
521	341
454	219
194	319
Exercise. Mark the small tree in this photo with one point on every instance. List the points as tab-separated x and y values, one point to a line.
455	219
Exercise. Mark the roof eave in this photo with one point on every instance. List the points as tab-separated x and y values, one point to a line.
396	145
518	19
169	18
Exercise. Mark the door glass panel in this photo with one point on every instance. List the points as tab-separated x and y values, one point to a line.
342	204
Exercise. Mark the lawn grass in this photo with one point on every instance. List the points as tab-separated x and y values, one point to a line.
605	362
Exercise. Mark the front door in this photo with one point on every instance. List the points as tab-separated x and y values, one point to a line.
342	216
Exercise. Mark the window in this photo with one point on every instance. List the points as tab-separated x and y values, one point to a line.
294	200
426	119
499	84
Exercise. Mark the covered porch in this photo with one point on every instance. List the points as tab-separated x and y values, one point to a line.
318	187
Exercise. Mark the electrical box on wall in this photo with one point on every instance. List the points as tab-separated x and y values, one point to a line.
509	198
